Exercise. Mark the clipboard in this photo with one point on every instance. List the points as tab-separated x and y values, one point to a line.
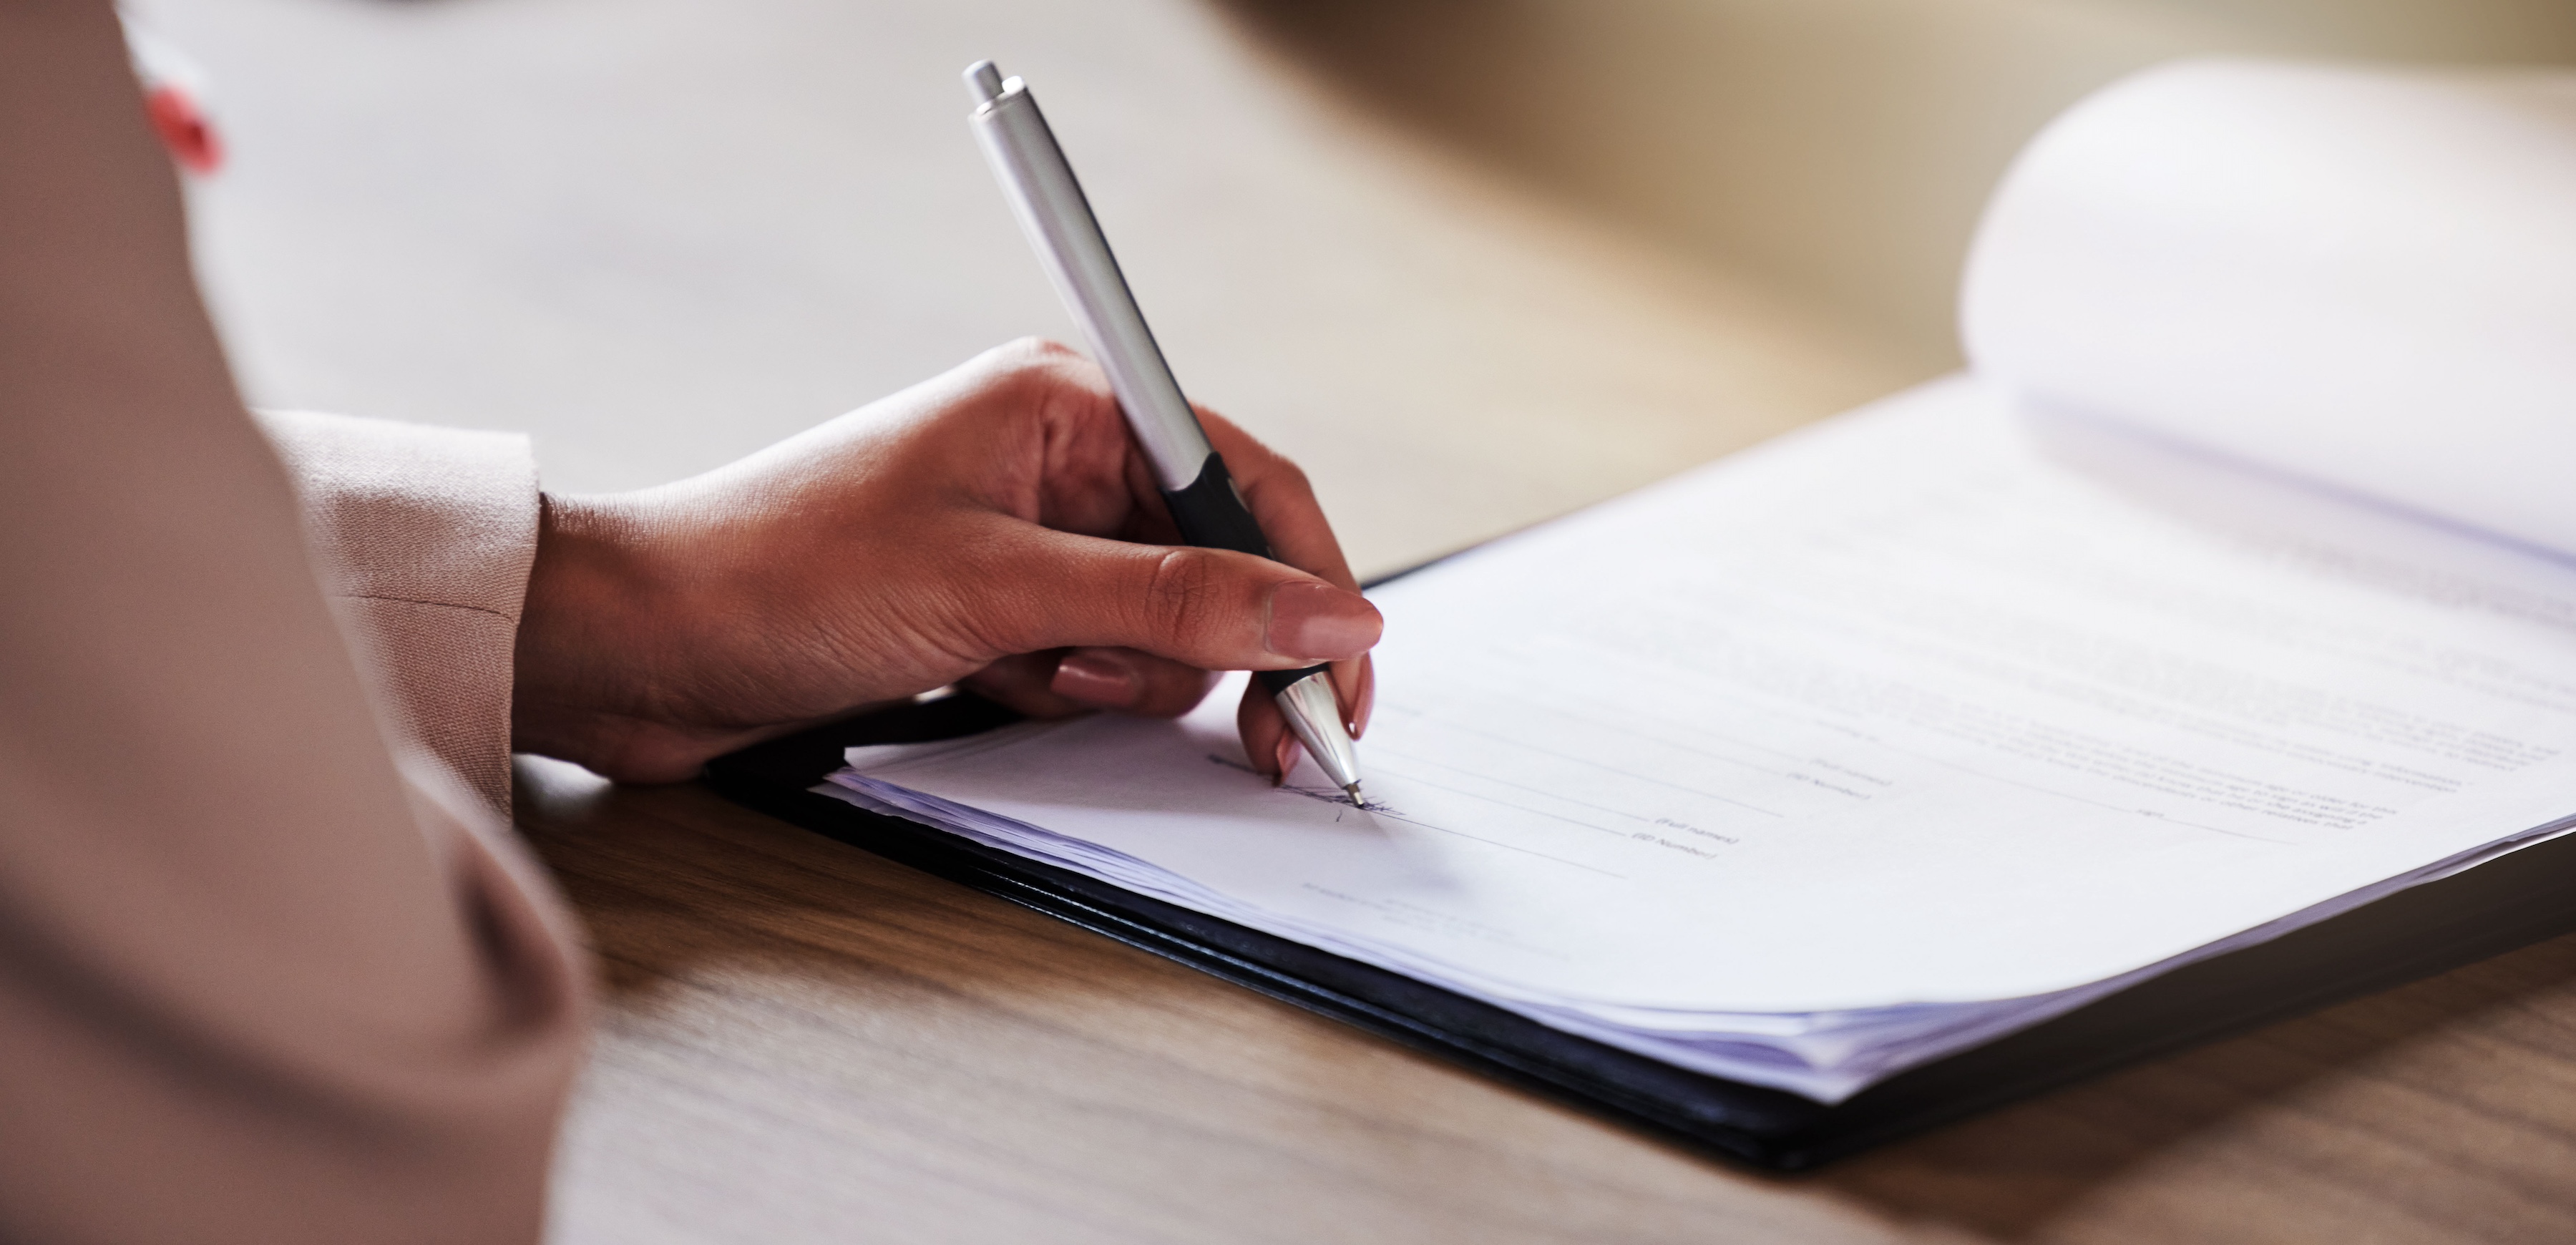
2515	900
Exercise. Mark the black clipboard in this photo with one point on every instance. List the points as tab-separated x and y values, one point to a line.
2506	903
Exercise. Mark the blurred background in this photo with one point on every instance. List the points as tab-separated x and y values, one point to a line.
1474	262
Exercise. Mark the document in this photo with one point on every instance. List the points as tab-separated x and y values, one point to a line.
1839	755
2235	587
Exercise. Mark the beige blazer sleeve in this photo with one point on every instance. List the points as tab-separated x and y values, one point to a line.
422	538
260	979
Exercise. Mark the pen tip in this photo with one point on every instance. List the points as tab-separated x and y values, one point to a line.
1354	789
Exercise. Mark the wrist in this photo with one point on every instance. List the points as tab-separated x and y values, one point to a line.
590	588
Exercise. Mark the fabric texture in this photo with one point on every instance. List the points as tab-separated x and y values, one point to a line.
423	538
268	972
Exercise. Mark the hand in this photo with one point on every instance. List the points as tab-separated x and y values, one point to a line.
994	527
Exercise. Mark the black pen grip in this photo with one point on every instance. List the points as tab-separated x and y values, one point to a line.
1211	515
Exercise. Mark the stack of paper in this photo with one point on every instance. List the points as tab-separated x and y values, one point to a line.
1856	750
1948	716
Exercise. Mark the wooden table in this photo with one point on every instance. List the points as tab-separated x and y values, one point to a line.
805	1042
660	233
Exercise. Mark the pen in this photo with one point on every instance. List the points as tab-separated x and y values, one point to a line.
1204	503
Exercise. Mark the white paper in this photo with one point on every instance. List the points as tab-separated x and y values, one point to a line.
2238	591
2362	278
1843	753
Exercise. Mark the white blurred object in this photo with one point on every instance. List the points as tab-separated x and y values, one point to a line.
2363	278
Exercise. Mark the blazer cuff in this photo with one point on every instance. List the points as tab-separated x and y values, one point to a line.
423	538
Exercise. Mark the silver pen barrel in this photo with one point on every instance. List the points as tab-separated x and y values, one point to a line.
1314	715
1051	207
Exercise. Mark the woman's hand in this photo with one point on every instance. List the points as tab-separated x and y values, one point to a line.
994	527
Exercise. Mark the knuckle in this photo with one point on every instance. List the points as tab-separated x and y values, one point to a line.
1036	346
1045	375
984	604
1177	593
1034	351
1269	469
1290	476
1032	364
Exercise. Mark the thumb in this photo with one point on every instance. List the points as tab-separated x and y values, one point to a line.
1210	608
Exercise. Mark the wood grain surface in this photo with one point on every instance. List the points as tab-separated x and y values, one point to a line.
661	233
805	1042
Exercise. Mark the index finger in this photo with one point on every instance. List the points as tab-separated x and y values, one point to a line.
1281	501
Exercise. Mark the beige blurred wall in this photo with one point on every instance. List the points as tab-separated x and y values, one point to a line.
1836	150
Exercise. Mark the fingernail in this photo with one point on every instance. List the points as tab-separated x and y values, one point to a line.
1285	759
1319	621
1365	701
1100	679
